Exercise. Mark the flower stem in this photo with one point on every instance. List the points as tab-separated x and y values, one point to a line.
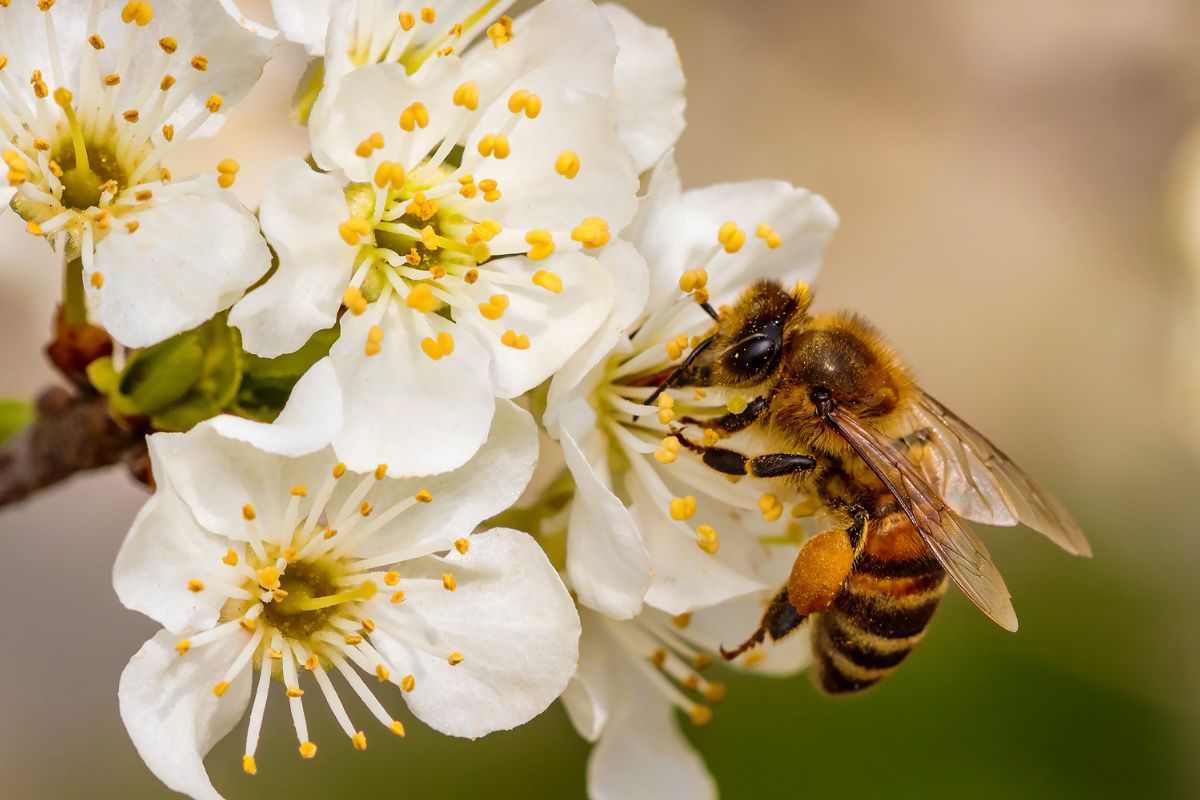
74	301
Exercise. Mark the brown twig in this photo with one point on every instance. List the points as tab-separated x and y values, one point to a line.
72	433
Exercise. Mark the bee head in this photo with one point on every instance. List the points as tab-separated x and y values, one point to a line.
839	361
750	343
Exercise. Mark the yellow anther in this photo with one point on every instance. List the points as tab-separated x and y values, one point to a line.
220	688
467	95
701	715
183	645
248	512
438	348
230	558
701	661
339	469
428	15
143	196
62	97
423	497
96	42
407	20
359	740
138	11
770	507
391	578
429	238
494	308
548	281
248	624
112	80
168	44
683	620
668	450
592	233
292	691
768	235
737	404
353	640
666	408
514	340
33	228
352	232
692	280
448	582
390	173
228	166
195	585
200	63
421	207
213	103
397	597
731	236
397	727
41	145
523	100
308	750
268	578
408	683
299	490
166	83
707	539
658	658
484	231
44	5
353	299
312	662
567	164
715	692
682	508
249	766
494	144
420	298
365	509
97	280
455	659
415	116
676	346
470	276
501	31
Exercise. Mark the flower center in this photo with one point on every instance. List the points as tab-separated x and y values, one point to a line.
309	597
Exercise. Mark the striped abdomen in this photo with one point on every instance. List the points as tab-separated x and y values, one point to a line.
882	610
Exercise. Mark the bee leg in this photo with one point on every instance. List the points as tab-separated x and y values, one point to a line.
769	465
732	423
780	620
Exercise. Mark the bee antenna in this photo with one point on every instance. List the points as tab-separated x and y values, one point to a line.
680	370
712	312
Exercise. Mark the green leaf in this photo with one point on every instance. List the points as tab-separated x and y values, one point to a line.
14	416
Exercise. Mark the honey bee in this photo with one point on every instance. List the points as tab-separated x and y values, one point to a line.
898	470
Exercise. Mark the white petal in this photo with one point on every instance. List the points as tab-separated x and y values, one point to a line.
642	755
599	682
217	476
648	100
676	236
510	618
164	550
192	256
171	714
304	22
309	421
631	279
369	100
486	485
300	214
402	408
607	563
557	325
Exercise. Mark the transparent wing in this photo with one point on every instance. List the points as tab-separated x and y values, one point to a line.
956	548
981	483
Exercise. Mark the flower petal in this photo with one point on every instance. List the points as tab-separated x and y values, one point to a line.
402	408
192	256
309	421
172	717
166	549
599	683
486	485
300	214
607	563
216	476
304	22
556	324
642	755
510	618
648	99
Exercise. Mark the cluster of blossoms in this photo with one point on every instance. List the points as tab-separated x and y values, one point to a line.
490	237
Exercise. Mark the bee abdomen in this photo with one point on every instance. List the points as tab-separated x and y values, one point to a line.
874	622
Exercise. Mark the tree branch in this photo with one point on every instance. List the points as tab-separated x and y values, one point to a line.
72	433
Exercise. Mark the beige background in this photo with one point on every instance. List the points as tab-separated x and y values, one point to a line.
1002	172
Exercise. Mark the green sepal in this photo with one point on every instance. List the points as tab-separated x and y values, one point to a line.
267	382
15	415
216	383
159	376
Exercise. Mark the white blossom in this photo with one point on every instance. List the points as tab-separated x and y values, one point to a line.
298	568
459	225
648	518
94	95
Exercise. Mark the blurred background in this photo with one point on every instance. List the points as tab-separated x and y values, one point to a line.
1018	187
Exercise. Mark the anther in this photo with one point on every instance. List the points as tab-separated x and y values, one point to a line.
567	164
462	546
312	662
516	341
339	469
138	11
213	103
199	63
195	585
227	170
96	42
397	597
668	450
592	233
183	645
707	539
423	497
381	672
701	715
248	512
168	44
415	116
308	750
365	509
770	507
455	659
359	740
408	683
293	691
390	173
249	766
438	348
353	298
731	236
397	727
268	578
352	232
428	15
501	31
682	621
231	558
541	243
448	582
407	21
768	235
97	280
682	508
467	95
421	298
494	144
220	688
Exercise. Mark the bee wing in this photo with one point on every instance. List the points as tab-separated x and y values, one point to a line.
956	548
981	483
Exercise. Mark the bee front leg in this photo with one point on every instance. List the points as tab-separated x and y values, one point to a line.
730	423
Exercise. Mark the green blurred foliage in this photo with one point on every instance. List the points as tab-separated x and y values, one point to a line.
14	416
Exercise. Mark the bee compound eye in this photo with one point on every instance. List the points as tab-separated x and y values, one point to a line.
753	356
